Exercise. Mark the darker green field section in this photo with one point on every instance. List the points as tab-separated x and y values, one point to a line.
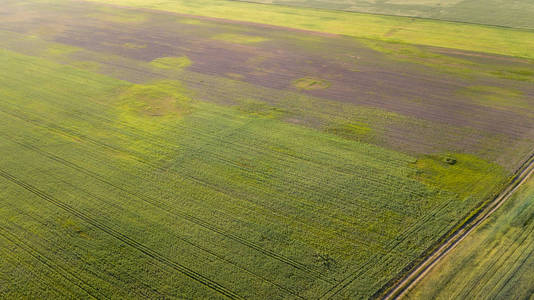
516	14
149	155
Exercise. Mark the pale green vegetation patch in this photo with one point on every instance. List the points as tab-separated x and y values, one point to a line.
174	63
310	83
495	96
516	74
87	65
134	46
192	21
416	54
240	38
157	99
462	174
260	108
355	131
59	50
118	16
494	262
444	61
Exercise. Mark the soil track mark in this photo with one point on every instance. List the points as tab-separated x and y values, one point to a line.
125	239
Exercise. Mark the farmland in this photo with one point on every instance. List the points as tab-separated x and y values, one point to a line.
150	154
516	14
471	37
496	261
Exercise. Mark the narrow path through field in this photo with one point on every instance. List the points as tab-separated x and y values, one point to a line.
408	281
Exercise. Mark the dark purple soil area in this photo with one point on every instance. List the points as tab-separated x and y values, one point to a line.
356	74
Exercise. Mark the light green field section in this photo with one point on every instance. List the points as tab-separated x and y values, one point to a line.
517	13
512	42
113	189
495	262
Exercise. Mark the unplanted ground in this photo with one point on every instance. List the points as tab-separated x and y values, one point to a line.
494	262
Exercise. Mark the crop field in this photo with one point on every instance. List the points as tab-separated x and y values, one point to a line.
152	154
517	13
495	262
463	36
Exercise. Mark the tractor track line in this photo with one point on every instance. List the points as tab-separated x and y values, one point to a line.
125	239
312	272
188	217
64	273
403	286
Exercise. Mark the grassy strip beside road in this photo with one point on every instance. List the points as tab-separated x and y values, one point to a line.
489	39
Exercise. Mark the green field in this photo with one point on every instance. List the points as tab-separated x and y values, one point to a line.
494	262
154	155
99	164
489	39
516	13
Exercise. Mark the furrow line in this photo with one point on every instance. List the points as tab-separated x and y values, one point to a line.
125	239
190	218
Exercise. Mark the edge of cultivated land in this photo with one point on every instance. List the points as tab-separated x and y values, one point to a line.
398	287
489	39
388	15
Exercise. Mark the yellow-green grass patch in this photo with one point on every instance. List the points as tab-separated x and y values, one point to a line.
240	38
462	174
310	83
494	96
174	63
157	99
354	130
